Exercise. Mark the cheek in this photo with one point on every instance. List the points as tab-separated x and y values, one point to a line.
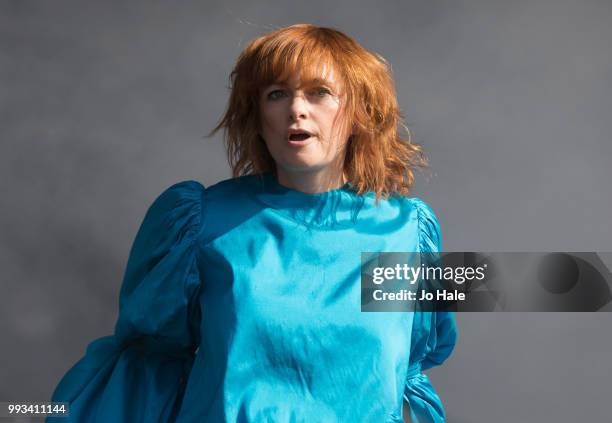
332	118
272	120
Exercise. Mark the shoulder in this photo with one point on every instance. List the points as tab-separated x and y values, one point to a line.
182	189
180	195
180	198
223	187
226	204
407	207
193	198
430	234
229	188
173	217
423	210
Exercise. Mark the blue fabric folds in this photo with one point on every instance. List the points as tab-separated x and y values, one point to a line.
433	337
138	374
241	302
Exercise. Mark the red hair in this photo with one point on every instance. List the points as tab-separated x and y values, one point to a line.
377	159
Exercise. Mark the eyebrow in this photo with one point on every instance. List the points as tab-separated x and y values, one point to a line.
309	83
320	81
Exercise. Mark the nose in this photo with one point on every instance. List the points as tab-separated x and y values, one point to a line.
297	108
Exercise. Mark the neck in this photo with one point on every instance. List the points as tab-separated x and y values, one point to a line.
311	181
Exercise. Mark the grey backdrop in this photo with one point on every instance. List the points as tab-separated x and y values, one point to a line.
104	104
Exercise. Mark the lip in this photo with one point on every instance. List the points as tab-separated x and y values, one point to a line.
300	143
299	131
292	131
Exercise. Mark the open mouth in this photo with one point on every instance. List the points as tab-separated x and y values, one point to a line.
299	136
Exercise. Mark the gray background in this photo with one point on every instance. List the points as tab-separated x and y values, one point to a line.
105	104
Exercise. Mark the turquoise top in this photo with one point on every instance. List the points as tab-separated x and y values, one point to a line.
241	303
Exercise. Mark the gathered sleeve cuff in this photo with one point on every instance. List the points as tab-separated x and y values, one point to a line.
139	373
442	342
430	350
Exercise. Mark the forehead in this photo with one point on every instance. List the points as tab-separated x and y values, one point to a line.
308	75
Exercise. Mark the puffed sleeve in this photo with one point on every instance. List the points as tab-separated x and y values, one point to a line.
139	373
434	335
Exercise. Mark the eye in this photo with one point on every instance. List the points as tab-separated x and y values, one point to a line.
275	94
321	91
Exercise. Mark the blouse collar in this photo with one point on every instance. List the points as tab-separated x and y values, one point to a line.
335	208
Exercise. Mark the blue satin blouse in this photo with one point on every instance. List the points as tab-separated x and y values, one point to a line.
241	303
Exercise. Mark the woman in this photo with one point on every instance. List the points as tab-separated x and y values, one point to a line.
241	301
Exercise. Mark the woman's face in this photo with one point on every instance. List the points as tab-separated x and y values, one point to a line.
315	110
